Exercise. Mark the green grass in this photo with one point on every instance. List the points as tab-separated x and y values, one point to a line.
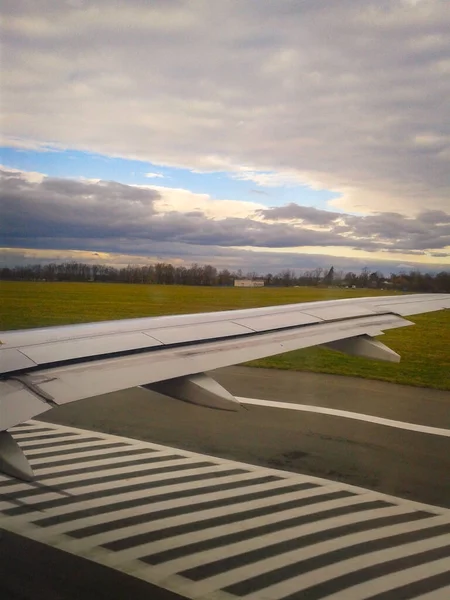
424	348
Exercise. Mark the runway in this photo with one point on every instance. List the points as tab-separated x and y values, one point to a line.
394	461
197	525
212	506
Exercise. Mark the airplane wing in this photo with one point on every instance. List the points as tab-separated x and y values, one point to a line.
44	368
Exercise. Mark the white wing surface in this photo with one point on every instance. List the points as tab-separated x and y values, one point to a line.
44	368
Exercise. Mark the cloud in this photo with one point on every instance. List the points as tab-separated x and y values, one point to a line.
398	233
268	179
154	175
429	229
296	212
31	176
347	96
185	201
56	207
440	254
106	216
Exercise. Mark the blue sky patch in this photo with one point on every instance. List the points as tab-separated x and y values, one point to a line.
220	185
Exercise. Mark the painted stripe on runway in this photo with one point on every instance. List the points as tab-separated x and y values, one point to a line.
209	528
347	415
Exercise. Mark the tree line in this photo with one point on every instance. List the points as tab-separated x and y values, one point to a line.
207	275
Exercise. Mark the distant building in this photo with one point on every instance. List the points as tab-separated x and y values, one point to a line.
250	283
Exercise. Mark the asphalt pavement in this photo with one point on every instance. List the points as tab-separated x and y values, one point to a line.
403	463
408	464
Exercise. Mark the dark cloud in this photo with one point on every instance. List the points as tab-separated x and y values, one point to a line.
60	208
63	207
429	229
435	217
108	216
195	213
440	254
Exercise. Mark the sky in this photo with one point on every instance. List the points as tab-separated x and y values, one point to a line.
251	134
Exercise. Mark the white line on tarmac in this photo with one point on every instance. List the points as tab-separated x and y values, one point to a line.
347	415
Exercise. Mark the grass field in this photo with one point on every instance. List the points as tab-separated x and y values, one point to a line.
424	348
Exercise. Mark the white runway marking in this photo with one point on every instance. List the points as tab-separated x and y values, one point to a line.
347	415
215	529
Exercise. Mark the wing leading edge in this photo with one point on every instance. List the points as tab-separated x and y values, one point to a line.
44	368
